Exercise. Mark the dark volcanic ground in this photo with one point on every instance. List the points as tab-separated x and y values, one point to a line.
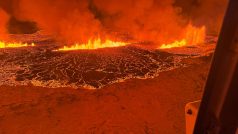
41	66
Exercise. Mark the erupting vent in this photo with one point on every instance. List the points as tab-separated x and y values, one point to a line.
95	44
193	36
14	45
43	66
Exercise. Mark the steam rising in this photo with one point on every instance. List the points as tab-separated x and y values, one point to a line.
205	12
145	20
4	19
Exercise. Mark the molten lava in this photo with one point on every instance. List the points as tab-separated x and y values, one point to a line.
193	36
93	44
174	44
14	45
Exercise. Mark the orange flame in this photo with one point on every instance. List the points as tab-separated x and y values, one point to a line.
95	44
193	36
174	44
14	45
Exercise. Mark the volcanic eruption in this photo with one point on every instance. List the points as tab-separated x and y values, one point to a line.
90	43
81	21
104	66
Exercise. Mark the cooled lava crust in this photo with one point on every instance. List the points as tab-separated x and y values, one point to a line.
41	66
92	69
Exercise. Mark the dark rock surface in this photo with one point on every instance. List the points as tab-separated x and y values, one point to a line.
41	66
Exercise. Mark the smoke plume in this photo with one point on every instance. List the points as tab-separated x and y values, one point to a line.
205	12
157	21
4	19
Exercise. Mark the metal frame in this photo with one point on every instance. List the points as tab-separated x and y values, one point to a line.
218	112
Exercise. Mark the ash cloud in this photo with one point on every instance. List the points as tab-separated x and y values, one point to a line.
157	21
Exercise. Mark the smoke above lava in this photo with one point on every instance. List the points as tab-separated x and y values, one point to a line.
3	23
77	21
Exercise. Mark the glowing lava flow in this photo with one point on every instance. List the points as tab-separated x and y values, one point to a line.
193	36
95	44
14	45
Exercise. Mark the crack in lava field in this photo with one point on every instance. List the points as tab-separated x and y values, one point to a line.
40	66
